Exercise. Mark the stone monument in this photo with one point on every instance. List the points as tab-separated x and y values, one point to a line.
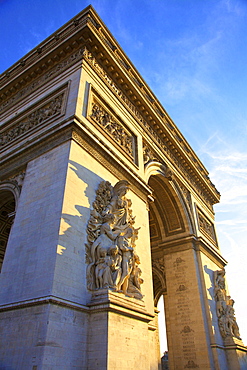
104	208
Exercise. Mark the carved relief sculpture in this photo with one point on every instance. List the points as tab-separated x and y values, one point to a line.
32	120
113	128
224	307
206	226
110	250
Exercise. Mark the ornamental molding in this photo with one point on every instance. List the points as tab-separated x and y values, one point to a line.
14	185
186	195
52	72
149	155
53	107
16	179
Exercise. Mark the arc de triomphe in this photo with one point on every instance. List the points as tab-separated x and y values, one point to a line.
104	208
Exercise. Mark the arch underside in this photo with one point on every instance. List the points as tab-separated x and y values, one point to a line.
168	222
167	217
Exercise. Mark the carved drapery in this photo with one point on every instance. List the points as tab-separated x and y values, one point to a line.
110	249
224	307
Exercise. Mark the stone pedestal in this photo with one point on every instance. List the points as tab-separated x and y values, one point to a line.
119	332
236	353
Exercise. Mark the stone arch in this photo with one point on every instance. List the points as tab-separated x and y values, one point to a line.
9	195
12	187
171	223
159	281
170	213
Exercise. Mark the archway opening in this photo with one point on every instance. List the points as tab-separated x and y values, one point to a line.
162	333
168	224
7	213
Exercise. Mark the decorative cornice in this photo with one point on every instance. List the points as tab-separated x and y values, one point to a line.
51	72
192	242
53	46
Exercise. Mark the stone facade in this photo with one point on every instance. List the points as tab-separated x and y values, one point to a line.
109	209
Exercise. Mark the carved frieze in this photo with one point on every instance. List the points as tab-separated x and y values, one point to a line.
110	250
113	126
224	307
36	117
206	226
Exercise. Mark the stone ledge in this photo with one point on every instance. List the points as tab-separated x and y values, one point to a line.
106	300
234	343
43	300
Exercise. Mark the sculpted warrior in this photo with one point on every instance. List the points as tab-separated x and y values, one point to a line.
119	205
224	307
112	261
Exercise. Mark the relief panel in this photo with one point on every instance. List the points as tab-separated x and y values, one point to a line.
52	107
205	226
106	120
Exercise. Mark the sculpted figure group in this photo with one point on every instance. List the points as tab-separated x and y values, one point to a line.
111	256
224	306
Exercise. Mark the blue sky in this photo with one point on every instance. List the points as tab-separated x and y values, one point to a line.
193	55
